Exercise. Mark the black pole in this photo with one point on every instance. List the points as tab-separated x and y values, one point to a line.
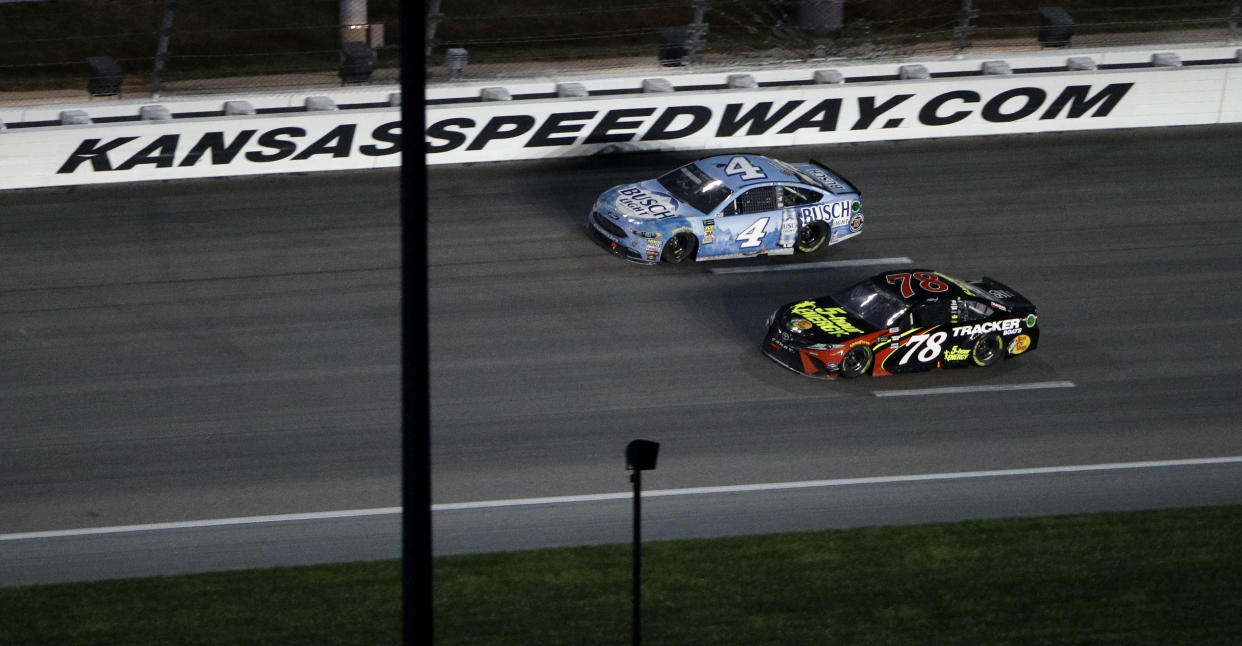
417	564
636	622
640	455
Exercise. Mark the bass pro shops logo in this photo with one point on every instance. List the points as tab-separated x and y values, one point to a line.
220	148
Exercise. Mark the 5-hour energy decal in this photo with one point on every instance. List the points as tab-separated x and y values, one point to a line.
829	319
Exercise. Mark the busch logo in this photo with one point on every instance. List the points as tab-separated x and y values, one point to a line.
644	203
837	212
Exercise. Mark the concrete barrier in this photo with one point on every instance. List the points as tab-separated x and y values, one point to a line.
318	130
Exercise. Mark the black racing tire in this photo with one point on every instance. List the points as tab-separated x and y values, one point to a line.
988	350
680	247
811	237
857	361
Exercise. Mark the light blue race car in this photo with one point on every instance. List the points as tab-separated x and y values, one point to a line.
728	206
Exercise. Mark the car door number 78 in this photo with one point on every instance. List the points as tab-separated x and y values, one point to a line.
931	346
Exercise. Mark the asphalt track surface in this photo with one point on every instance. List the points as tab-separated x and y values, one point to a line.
227	349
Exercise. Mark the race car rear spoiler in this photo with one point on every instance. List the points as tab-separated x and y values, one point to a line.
831	179
1002	292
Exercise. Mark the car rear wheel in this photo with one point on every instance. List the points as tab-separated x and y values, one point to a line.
857	361
988	350
811	237
680	247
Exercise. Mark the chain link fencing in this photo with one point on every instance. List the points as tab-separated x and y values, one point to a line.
71	50
170	47
479	39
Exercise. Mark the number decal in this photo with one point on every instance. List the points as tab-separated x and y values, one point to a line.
742	166
927	281
753	234
931	349
930	282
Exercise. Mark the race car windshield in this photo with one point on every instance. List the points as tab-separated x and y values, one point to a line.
872	303
693	186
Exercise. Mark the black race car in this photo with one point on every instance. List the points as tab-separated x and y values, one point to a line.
902	321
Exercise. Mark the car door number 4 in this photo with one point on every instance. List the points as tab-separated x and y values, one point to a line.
931	344
752	235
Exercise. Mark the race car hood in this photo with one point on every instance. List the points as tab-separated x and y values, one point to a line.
820	320
647	200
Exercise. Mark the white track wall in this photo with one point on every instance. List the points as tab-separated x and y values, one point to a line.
835	113
302	132
205	147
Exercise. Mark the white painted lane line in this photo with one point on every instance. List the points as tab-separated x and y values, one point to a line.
811	484
192	524
813	265
957	390
658	493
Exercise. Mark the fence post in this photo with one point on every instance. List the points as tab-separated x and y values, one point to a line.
161	49
353	21
963	31
698	30
433	19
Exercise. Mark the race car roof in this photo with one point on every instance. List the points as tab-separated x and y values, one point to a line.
918	285
742	170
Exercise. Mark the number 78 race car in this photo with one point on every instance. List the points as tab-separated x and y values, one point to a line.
729	206
902	321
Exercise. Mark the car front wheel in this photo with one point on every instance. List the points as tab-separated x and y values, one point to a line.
856	362
811	237
680	247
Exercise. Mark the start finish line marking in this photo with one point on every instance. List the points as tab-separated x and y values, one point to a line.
813	265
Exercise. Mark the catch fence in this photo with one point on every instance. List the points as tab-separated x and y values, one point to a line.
75	49
477	39
70	50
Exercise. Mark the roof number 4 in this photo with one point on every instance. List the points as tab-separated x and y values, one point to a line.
742	167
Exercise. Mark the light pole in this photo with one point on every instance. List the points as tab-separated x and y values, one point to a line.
640	455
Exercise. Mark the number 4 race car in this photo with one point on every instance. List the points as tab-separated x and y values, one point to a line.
902	321
729	206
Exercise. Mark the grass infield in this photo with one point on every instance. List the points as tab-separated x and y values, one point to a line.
1153	577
